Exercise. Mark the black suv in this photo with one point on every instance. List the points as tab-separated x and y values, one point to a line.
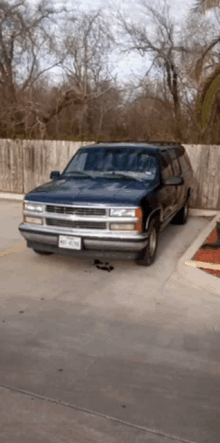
111	200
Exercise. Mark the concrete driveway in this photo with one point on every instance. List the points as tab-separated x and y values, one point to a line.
86	355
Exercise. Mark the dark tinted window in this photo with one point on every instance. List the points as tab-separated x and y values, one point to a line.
175	162
142	162
180	151
185	163
183	159
166	165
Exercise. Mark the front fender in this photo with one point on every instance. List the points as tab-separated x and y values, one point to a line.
154	213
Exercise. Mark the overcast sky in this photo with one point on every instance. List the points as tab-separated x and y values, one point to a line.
126	66
179	7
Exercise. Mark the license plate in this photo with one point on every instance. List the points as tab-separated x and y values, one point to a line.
69	242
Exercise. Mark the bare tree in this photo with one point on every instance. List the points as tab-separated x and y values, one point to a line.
88	43
207	72
27	53
201	6
160	46
85	42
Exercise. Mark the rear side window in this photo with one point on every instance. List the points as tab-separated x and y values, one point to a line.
175	162
184	159
185	163
166	165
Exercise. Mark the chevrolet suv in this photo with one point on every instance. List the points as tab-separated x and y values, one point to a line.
112	200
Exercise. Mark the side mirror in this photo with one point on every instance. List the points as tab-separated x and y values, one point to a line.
55	175
174	181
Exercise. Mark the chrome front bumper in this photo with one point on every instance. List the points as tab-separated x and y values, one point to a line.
94	242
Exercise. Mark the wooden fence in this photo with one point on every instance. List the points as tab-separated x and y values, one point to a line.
25	164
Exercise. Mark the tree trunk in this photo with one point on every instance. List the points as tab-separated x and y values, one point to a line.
172	81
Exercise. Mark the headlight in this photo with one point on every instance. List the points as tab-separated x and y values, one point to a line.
33	207
33	220
121	212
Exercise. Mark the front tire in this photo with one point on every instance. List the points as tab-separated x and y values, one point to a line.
42	252
147	256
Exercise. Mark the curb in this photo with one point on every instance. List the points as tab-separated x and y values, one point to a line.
202	212
195	275
9	196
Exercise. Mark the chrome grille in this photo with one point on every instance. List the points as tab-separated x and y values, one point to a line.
75	224
75	211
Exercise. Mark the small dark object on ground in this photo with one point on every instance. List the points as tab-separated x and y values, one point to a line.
99	265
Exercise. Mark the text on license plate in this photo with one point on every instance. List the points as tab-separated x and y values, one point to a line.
69	242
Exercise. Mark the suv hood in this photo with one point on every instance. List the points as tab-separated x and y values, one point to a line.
88	191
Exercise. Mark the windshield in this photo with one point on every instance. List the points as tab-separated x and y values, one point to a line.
133	162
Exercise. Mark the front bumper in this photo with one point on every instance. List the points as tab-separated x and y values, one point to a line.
39	238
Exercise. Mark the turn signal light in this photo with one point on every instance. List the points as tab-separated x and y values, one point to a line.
138	227
139	213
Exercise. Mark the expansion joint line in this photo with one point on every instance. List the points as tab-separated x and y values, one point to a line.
98	414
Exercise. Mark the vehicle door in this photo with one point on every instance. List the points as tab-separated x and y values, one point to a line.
180	190
167	194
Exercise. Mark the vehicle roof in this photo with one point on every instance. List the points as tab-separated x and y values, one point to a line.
159	145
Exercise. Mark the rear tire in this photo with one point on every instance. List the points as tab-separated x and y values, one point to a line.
147	256
42	252
182	216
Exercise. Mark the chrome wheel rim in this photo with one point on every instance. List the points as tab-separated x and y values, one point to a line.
152	241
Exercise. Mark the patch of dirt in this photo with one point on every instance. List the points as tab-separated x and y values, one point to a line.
209	255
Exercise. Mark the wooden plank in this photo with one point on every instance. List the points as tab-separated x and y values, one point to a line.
17	167
214	182
29	165
11	165
201	264
205	162
194	153
4	173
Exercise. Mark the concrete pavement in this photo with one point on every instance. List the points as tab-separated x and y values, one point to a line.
127	356
27	418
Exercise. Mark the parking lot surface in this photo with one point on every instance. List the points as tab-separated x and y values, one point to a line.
87	355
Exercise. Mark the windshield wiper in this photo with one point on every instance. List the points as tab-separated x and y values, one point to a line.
78	172
122	174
